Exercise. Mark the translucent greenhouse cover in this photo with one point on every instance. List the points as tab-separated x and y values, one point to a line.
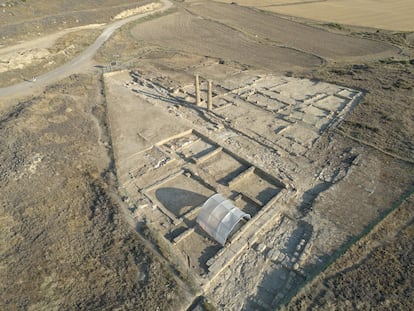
218	217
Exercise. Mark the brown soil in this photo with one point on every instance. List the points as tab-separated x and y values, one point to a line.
66	245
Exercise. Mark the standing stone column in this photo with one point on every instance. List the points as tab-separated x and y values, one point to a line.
197	90
210	96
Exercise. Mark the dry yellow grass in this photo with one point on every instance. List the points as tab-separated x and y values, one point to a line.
385	14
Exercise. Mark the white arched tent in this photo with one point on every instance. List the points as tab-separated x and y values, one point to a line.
218	217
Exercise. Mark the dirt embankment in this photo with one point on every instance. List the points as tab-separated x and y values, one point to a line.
64	244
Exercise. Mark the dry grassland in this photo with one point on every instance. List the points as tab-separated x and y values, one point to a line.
373	274
65	243
388	14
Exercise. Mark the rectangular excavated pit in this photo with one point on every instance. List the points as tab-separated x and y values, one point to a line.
257	187
331	103
198	248
246	205
196	149
149	165
180	194
223	167
199	166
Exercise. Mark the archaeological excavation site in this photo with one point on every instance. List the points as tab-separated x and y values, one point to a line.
203	155
192	154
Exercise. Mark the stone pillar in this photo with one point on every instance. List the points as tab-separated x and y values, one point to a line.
197	90
210	96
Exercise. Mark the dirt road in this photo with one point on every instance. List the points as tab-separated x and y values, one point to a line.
79	63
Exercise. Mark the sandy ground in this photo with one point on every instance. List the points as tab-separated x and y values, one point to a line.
389	14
